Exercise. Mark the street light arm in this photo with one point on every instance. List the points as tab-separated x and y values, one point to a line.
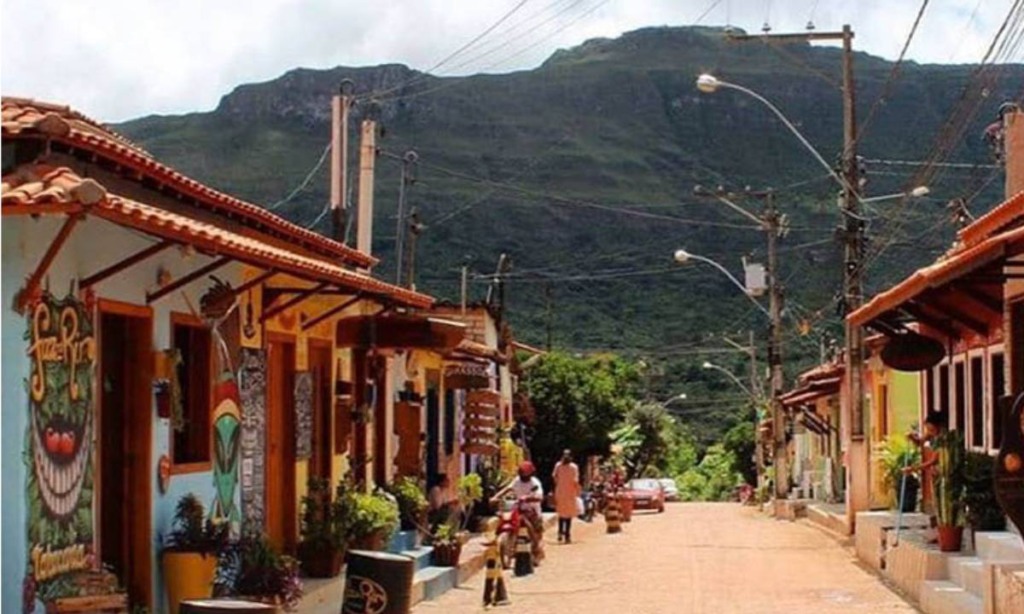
735	281
792	129
735	379
740	210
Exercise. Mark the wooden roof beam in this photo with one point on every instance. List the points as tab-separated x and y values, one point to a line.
31	287
915	311
332	311
956	314
117	267
295	300
152	297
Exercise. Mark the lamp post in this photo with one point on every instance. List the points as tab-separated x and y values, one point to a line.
919	192
731	376
682	257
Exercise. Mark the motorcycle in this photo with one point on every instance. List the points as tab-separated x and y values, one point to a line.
512	514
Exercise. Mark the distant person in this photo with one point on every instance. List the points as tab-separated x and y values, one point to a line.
934	425
567	489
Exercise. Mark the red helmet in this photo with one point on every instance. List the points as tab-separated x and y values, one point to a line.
526	467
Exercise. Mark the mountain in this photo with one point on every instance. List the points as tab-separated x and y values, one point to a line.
618	124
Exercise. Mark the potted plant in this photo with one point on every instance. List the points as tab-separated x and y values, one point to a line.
254	571
370	518
949	491
449	537
447	548
322	546
412	503
191	551
900	452
983	511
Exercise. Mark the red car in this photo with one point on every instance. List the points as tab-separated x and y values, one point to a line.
647	494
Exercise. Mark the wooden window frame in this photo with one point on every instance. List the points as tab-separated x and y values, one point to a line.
993	395
953	418
972	355
189	320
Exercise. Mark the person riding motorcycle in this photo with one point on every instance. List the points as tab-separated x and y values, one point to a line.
528	489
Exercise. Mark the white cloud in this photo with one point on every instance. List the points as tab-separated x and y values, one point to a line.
117	59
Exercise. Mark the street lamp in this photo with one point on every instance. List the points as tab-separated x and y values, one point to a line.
736	380
679	397
682	257
710	84
919	192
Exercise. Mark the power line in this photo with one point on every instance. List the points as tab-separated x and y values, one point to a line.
894	72
305	181
453	54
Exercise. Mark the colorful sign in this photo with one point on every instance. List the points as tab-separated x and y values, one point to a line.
227	434
59	489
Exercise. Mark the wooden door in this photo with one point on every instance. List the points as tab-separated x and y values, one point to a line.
320	368
280	467
409	432
380	421
125	446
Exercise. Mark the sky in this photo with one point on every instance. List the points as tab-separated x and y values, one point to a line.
119	59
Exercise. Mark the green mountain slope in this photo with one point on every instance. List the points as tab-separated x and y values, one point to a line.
620	124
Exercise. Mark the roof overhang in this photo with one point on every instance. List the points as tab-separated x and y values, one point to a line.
399	331
961	294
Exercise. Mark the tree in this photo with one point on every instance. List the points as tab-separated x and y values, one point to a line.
714	479
644	438
578	402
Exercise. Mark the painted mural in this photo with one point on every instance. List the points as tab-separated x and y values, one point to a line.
252	382
59	489
227	432
303	414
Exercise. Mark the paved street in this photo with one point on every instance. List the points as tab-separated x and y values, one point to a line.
716	558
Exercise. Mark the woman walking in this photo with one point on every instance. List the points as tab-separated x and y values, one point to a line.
567	489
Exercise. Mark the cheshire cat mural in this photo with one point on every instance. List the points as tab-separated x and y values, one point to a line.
59	489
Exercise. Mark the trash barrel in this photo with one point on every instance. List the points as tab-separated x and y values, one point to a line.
377	583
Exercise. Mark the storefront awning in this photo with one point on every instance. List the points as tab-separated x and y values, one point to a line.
960	293
399	332
474	350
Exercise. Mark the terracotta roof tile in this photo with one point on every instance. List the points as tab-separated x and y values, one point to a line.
1010	212
43	185
22	116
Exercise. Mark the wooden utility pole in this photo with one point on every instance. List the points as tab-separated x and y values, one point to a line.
340	106
465	287
415	228
853	250
781	466
408	160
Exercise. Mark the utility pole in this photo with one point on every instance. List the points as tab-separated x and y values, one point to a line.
415	229
465	286
408	160
367	165
772	223
340	106
548	310
772	228
853	251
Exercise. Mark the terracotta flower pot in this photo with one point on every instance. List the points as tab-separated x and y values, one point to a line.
950	538
446	555
188	575
321	562
373	541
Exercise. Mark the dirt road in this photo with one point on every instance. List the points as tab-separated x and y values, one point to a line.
696	558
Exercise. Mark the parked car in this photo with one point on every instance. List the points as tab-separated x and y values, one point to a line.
671	490
647	494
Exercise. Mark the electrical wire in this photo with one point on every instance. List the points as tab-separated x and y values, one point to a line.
451	55
894	73
305	182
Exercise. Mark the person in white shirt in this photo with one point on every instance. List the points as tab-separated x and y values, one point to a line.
528	489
